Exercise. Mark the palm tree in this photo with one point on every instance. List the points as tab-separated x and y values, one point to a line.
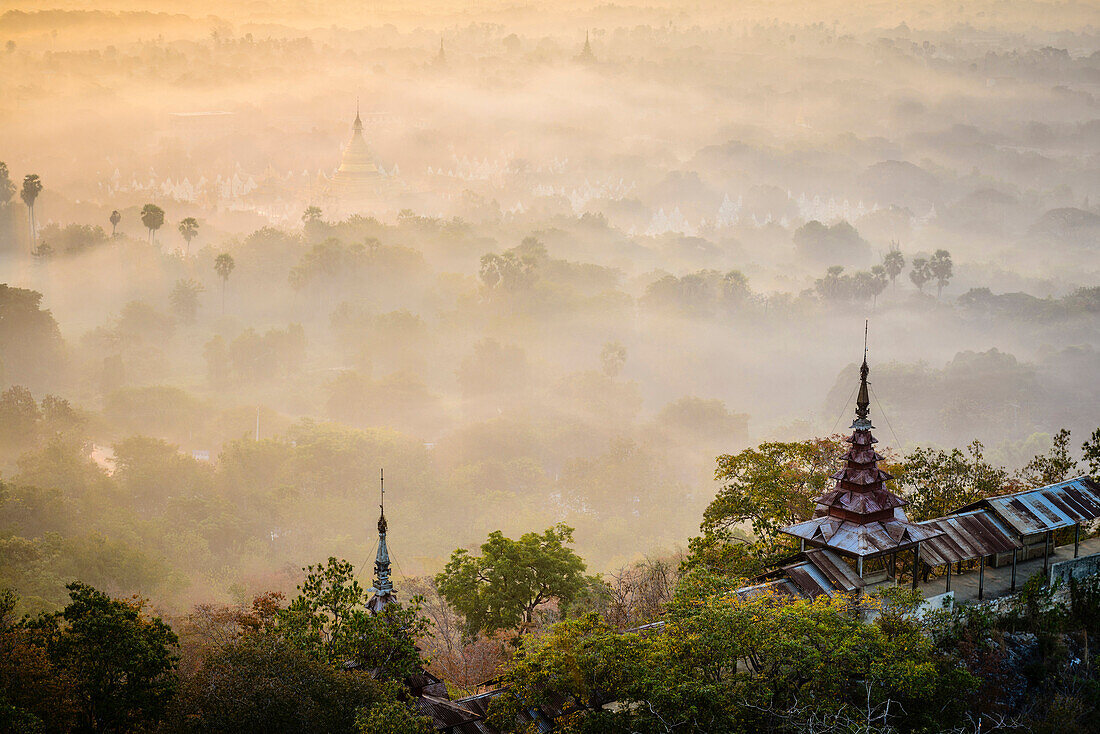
32	187
893	262
115	219
189	227
919	273
152	216
941	268
224	265
879	275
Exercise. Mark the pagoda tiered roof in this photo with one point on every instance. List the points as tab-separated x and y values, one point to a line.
860	516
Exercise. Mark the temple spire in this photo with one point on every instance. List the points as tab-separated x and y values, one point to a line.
863	399
357	126
383	586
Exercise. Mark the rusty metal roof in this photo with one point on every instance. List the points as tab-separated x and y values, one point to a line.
839	573
780	587
860	539
966	536
1046	508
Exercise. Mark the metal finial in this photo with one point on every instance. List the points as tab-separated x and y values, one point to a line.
382	504
866	323
863	400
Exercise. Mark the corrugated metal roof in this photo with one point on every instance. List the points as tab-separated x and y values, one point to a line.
811	582
860	539
444	712
966	536
1046	508
775	587
839	573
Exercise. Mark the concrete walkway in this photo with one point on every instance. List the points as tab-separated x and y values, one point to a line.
999	580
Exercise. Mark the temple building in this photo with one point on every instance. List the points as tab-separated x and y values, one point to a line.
860	518
427	692
359	182
860	528
586	56
383	594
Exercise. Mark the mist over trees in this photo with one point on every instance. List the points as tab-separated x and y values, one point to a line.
592	250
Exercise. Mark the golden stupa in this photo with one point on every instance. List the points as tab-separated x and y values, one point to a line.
358	176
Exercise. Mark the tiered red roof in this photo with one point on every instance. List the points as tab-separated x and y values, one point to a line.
860	516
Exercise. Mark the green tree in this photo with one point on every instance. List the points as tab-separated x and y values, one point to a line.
185	298
223	266
115	219
920	273
767	487
877	283
329	620
7	186
19	416
893	262
120	659
941	269
34	697
188	227
936	482
1091	453
393	717
503	587
311	214
32	187
1057	465
263	683
152	216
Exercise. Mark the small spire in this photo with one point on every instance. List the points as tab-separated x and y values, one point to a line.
383	586
358	125
863	400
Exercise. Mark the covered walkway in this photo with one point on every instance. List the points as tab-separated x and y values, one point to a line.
998	580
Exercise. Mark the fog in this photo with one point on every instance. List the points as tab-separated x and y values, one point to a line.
574	278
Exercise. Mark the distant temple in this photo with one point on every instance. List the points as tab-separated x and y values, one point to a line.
358	181
586	56
440	58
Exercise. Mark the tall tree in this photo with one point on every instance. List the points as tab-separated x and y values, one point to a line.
877	283
152	216
941	268
115	219
1057	465
32	187
502	588
185	298
894	262
7	186
189	227
329	620
920	273
1091	453
223	266
120	659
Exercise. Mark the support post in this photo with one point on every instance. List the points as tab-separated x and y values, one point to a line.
1076	540
859	566
916	564
802	545
1013	569
948	577
981	577
1046	553
894	566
